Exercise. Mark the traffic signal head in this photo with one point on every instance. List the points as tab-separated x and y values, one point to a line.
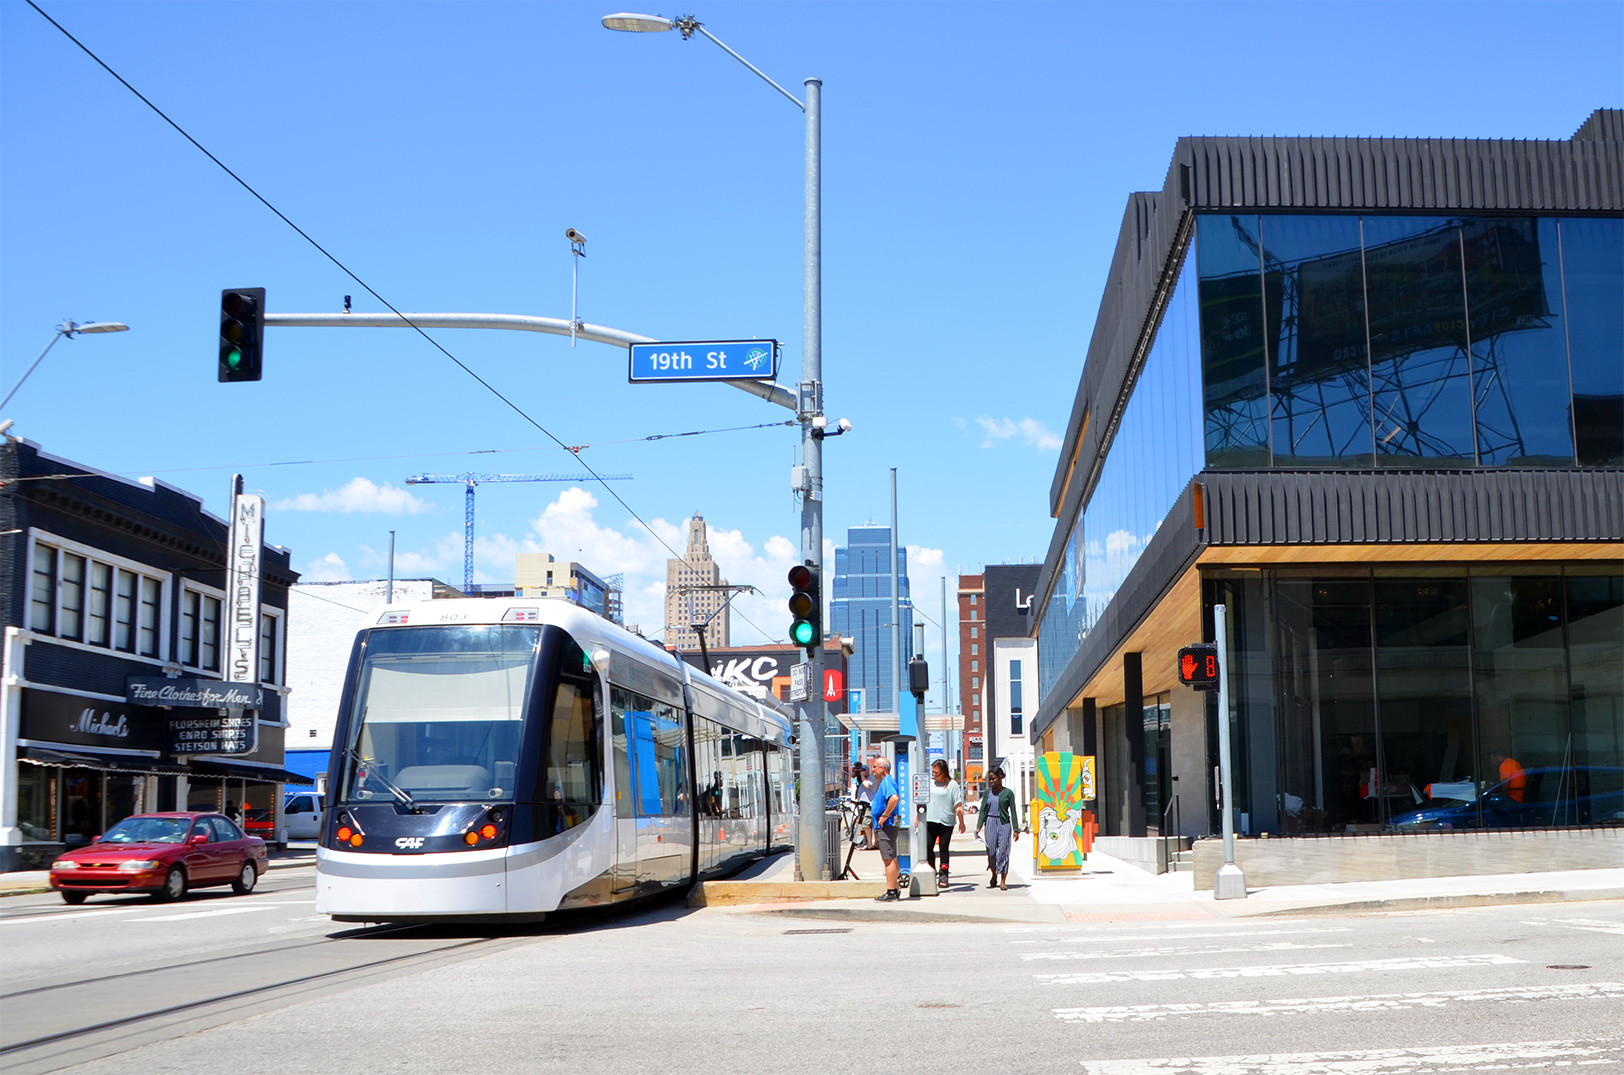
1198	667
805	607
242	333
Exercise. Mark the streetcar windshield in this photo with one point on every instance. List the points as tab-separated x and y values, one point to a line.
438	712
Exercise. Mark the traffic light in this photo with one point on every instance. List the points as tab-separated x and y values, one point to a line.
242	333
806	607
1198	667
918	676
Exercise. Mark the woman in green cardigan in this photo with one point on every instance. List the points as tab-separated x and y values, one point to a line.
997	817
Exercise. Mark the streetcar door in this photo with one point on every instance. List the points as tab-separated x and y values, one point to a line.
624	870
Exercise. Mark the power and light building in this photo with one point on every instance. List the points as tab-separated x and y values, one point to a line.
1367	394
696	594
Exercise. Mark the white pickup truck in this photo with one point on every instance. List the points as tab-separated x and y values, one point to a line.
302	815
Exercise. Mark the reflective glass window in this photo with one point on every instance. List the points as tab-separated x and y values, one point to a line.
1595	615
1420	376
1423	690
1314	313
1519	349
1233	376
1593	281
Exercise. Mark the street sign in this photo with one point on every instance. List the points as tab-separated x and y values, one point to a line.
797	682
703	360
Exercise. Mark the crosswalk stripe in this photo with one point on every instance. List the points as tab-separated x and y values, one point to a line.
1360	966
1434	1060
1143	1013
1182	950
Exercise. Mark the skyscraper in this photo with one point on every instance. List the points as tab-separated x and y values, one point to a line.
860	608
695	592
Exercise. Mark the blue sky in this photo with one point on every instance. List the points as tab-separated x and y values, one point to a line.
976	161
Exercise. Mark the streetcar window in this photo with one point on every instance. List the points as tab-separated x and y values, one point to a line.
650	759
572	757
439	711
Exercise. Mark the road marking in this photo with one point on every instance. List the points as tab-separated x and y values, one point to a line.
1283	970
1184	950
1595	926
213	912
1098	937
1145	1013
69	916
1435	1060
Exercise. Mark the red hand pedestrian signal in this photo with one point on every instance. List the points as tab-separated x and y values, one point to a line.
1198	667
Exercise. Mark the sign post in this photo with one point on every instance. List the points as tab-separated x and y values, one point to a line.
1230	883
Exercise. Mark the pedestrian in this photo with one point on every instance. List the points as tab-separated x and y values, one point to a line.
944	808
998	819
234	812
863	792
1512	774
887	801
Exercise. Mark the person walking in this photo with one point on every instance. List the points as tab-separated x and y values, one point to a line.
944	808
887	803
1512	774
997	818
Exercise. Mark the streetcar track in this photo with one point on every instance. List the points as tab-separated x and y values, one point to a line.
113	1024
373	931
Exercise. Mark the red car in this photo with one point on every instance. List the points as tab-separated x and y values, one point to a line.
163	855
260	822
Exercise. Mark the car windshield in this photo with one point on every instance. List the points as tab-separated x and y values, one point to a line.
148	830
438	712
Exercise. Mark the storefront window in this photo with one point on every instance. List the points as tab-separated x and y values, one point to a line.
35	799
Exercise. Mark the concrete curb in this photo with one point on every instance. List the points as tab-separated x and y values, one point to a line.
733	893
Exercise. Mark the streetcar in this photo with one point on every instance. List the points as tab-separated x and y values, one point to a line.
508	758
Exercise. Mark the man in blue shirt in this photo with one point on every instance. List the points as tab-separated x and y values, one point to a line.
887	802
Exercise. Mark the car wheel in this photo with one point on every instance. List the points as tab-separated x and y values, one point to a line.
174	886
246	880
74	898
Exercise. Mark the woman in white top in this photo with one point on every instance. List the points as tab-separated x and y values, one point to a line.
863	791
946	806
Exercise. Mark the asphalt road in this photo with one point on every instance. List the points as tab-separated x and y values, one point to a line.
261	983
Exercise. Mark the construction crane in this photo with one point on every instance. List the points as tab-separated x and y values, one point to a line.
471	480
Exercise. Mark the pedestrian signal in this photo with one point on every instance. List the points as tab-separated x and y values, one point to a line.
1198	667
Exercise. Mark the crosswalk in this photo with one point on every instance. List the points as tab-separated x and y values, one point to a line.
1139	974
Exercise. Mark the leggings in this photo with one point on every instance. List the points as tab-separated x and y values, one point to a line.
934	834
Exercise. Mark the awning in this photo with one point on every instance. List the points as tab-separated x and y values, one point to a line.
242	771
90	759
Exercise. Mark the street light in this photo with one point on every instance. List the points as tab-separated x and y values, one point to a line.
809	410
68	329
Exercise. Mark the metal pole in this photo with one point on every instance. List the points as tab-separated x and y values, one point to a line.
1230	883
811	862
389	592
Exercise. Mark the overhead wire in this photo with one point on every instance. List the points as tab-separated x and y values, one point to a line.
352	275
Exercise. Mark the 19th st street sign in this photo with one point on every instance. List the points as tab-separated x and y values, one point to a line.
703	360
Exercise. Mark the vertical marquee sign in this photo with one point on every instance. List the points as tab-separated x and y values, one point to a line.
244	555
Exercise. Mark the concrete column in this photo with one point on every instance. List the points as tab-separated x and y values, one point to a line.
1133	717
1192	778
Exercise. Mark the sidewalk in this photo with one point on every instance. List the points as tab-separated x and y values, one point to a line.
1109	890
25	881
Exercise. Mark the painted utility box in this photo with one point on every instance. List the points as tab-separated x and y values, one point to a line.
1062	826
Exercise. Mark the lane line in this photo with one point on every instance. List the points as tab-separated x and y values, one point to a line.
1283	970
1145	1013
1099	937
1435	1060
1183	950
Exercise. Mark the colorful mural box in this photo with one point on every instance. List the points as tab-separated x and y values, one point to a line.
1064	827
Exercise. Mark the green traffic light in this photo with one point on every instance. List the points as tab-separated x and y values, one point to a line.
801	633
234	357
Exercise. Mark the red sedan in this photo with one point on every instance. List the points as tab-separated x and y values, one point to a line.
163	855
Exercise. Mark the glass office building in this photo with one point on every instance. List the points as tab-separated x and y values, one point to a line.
860	609
1369	396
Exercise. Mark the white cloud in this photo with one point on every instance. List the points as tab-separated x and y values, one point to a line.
358	495
920	556
329	568
1029	431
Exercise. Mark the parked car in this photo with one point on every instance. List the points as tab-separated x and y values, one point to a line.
261	822
163	855
302	814
1552	797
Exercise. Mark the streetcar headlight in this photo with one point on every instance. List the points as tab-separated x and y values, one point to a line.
470	838
488	832
137	865
344	832
355	840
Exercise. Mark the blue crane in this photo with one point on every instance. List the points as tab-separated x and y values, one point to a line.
471	480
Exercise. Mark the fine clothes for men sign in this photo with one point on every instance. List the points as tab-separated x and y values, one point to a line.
192	693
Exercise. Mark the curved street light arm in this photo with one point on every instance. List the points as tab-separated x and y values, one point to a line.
556	326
